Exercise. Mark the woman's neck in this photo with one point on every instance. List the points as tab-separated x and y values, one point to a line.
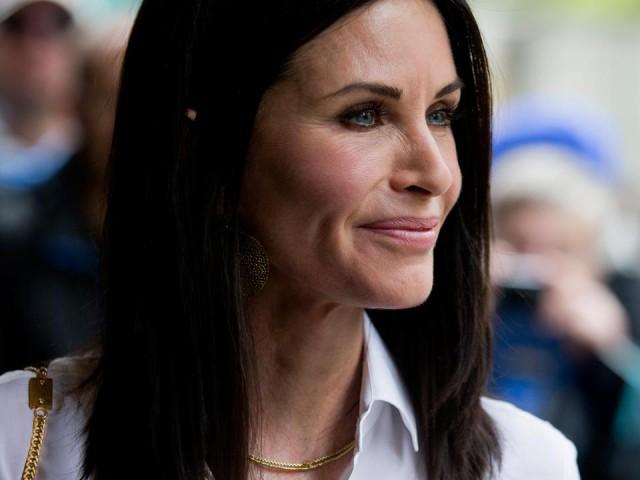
309	362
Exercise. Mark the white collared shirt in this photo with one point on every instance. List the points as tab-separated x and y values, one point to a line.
387	445
387	435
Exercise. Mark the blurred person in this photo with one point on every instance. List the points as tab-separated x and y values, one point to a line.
52	192
586	313
38	136
563	297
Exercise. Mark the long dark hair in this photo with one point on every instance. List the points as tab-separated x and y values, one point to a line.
171	386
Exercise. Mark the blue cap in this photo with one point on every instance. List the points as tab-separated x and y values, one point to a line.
586	134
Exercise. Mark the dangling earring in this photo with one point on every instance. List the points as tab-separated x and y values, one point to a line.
254	265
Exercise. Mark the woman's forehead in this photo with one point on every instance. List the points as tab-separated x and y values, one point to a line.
400	41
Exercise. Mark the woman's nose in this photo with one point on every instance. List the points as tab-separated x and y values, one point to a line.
424	163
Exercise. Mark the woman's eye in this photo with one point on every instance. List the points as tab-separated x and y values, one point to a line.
366	116
440	118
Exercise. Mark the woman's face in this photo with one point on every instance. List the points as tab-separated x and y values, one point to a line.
352	167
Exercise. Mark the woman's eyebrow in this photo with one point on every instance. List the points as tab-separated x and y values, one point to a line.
377	88
457	84
389	91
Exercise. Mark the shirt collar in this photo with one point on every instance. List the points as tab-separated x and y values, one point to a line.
381	382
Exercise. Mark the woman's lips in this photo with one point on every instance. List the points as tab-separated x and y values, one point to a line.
413	232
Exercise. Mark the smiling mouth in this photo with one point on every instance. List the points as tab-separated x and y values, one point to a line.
416	233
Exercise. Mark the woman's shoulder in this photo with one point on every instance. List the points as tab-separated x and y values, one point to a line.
61	449
67	374
531	448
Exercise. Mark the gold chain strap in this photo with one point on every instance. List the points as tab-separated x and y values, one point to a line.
304	466
41	402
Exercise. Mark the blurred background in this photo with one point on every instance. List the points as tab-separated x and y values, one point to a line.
565	188
59	71
566	182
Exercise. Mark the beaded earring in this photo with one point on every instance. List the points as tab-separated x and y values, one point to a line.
254	265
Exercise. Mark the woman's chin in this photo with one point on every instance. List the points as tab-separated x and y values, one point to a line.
407	297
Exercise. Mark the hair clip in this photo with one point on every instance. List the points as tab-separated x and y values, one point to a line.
191	114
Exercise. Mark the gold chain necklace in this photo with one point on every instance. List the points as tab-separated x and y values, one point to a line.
40	401
304	466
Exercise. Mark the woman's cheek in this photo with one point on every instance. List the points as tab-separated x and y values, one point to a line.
333	173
